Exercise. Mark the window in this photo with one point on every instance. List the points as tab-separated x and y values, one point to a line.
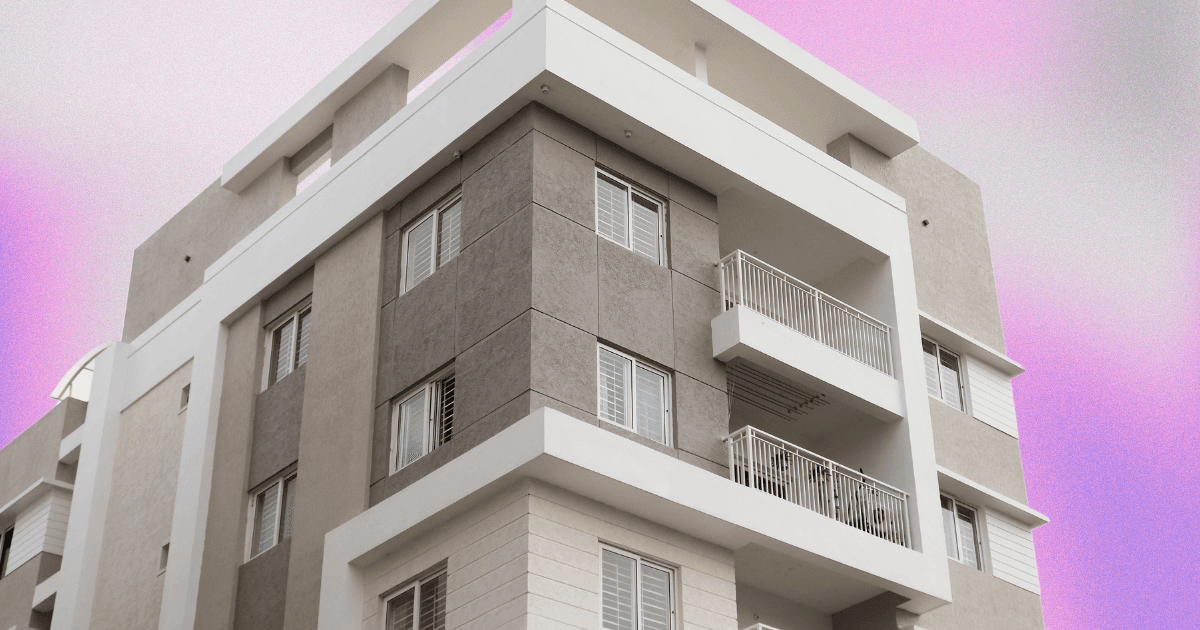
628	217
420	605
633	395
273	508
5	551
432	242
962	533
422	421
289	344
943	377
635	594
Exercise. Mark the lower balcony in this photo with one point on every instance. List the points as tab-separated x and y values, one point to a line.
779	468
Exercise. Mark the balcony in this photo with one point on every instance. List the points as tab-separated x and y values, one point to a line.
767	463
783	324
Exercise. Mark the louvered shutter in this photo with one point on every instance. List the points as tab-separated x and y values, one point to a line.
283	350
948	528
651	396
646	227
613	374
656	598
420	253
289	508
932	380
616	592
302	341
449	226
951	388
400	611
966	537
264	522
433	604
611	212
414	414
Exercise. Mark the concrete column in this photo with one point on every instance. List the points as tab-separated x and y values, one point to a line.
369	109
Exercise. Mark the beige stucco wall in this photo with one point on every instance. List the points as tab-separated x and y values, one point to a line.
529	557
984	602
138	521
33	454
977	451
951	256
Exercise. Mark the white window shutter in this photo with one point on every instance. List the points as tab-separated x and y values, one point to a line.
449	226
932	380
420	253
414	414
613	373
646	226
651	408
656	598
401	610
617	592
302	340
283	350
951	383
611	211
992	397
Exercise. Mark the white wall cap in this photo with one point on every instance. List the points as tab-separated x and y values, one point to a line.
962	343
68	449
31	495
982	496
44	593
83	362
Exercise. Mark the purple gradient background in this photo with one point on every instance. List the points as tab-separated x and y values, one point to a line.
1079	119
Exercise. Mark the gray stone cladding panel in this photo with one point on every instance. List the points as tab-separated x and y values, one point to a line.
288	297
564	270
381	442
563	362
422	333
533	116
391	268
564	180
977	451
696	306
498	190
695	250
492	372
635	303
495	279
701	419
422	199
698	200
262	589
277	413
631	167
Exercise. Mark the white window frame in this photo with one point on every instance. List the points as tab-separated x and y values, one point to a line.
637	590
415	584
436	212
955	504
294	314
631	190
279	481
434	423
631	391
962	375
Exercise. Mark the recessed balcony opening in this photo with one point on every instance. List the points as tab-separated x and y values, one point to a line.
797	444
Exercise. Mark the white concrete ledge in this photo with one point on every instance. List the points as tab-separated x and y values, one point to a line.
963	343
606	467
30	495
983	496
68	449
44	593
743	333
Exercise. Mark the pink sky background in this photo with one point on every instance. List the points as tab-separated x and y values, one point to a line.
1080	120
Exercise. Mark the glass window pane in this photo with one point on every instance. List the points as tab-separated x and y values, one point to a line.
400	611
413	416
645	228
951	393
966	536
449	226
266	507
616	591
302	342
656	598
613	376
948	528
611	212
932	381
289	508
444	427
420	253
433	604
282	344
651	407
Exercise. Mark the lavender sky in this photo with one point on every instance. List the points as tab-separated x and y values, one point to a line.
1079	119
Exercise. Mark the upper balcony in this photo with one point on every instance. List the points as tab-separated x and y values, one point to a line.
788	326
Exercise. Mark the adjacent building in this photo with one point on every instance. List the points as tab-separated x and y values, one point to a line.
637	317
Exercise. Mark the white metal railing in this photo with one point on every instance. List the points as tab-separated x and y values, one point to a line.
758	286
763	461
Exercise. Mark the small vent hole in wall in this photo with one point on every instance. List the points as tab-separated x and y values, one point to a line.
163	556
184	396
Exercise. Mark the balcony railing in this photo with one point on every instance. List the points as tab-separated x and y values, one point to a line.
764	289
763	461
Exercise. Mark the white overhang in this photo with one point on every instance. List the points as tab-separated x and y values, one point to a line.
962	343
746	61
601	465
971	492
30	495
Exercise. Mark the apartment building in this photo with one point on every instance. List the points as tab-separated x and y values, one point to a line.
638	317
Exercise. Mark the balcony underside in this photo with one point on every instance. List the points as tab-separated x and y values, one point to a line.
741	333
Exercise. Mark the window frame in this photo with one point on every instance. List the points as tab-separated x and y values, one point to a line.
434	433
435	211
961	376
631	390
280	482
416	583
293	316
631	189
641	560
977	535
6	544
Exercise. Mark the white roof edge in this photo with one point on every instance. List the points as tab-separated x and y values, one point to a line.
804	61
970	345
78	367
314	111
970	491
38	488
